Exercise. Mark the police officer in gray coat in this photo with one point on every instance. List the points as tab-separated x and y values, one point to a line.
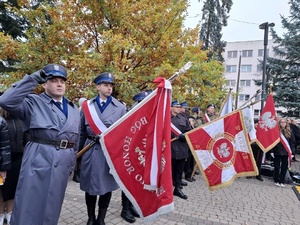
95	178
50	155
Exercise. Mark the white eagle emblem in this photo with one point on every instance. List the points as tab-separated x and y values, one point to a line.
267	121
223	151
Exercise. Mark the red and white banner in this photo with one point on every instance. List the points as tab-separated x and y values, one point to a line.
92	117
267	132
287	147
222	150
137	149
206	118
175	130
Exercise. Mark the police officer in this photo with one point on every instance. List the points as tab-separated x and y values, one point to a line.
49	157
210	114
95	178
185	109
139	97
179	148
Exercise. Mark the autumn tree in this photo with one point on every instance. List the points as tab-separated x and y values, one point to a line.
214	18
135	40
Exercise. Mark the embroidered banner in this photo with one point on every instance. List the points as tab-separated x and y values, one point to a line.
137	149
222	150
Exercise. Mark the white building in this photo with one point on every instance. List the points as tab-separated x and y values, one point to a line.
250	62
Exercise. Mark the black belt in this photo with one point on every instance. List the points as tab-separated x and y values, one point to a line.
56	143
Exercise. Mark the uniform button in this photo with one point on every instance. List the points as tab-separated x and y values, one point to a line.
55	165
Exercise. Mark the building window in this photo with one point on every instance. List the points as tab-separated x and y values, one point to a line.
232	54
231	69
230	83
246	68
256	112
245	83
247	53
244	97
261	52
259	67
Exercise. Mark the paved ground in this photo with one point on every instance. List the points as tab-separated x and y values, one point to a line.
246	202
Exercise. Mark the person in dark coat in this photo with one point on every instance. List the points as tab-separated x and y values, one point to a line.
17	140
179	148
95	178
296	132
257	154
53	123
281	154
5	161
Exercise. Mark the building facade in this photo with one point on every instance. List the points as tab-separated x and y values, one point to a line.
246	57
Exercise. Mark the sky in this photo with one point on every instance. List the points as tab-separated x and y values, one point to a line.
245	17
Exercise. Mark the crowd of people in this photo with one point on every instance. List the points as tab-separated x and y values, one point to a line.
40	136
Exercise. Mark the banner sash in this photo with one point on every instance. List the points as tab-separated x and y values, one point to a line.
92	118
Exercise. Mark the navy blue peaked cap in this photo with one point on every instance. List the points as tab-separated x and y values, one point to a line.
175	103
195	109
183	104
104	78
54	70
140	96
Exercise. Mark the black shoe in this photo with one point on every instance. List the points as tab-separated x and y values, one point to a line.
259	178
180	187
197	172
99	222
179	193
133	211
126	215
183	183
249	177
76	177
189	179
91	221
295	160
193	179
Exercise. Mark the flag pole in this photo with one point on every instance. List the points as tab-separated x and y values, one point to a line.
180	71
249	100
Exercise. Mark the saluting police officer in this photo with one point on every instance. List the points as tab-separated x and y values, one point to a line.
95	178
50	155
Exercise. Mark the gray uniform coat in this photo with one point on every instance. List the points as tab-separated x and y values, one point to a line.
95	178
45	169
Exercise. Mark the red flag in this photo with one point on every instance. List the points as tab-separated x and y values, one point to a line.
222	150
267	132
286	146
137	149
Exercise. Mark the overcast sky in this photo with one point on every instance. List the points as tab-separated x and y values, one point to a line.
245	17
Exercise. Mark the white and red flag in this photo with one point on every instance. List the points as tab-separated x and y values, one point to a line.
267	132
226	105
287	147
138	152
222	150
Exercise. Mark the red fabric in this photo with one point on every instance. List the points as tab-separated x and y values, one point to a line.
286	146
139	155
222	150
89	118
267	132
